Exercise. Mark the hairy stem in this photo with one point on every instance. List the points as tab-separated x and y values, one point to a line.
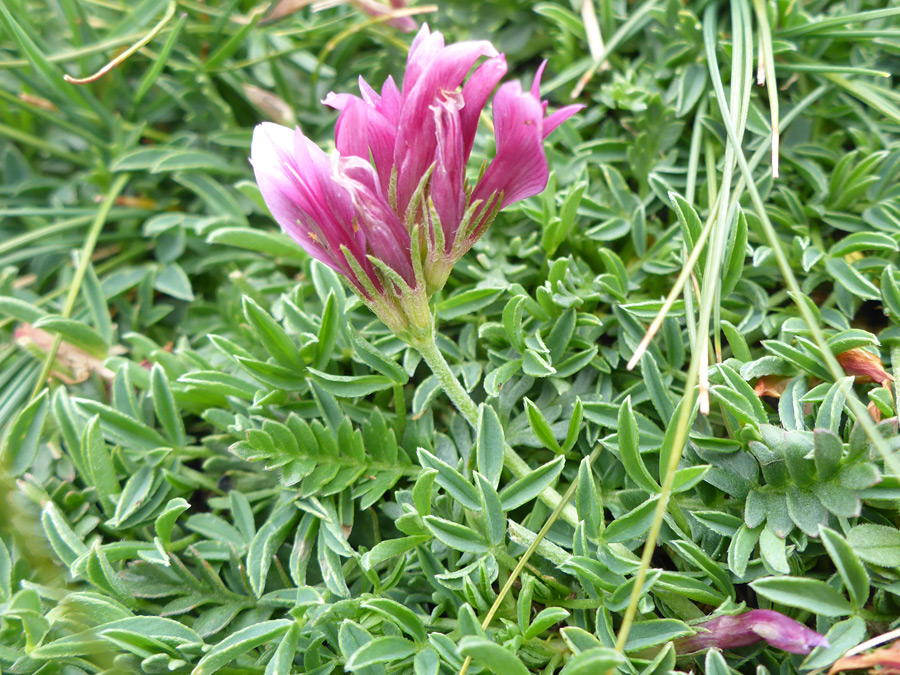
427	347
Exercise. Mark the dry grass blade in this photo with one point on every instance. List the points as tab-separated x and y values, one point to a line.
140	44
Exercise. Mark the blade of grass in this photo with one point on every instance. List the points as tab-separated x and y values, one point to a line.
75	285
767	73
823	24
523	560
683	275
632	24
771	236
170	12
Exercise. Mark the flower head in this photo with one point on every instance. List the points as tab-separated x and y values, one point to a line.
730	632
393	210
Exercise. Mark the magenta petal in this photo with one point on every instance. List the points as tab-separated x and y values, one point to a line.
338	101
783	632
363	132
405	23
520	168
422	52
369	95
416	140
379	225
291	183
448	178
273	165
475	93
536	82
391	102
731	632
555	119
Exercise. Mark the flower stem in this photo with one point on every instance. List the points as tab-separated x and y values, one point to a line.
428	348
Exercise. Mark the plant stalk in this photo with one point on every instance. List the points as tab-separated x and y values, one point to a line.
427	347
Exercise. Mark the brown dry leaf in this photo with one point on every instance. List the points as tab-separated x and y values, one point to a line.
771	385
874	412
137	202
865	366
38	101
884	661
72	365
285	8
272	105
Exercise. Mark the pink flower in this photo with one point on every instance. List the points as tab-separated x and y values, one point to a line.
730	632
393	209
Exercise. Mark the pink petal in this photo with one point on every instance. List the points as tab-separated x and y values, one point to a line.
555	119
369	95
295	180
416	140
424	48
391	101
476	92
385	236
448	178
362	132
519	169
405	23
338	101
731	632
536	82
273	165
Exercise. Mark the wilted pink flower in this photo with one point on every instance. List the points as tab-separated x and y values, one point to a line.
393	209
730	632
374	8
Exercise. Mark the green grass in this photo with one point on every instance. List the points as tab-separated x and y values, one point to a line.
235	467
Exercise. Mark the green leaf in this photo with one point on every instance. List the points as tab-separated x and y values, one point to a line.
166	409
350	386
632	524
275	244
852	571
328	333
99	466
273	337
403	616
629	451
525	489
240	643
282	661
541	427
268	539
75	333
164	159
489	445
451	480
876	544
456	536
851	279
21	444
593	661
494	517
166	520
545	619
375	359
381	650
173	281
809	594
646	634
67	545
467	302
21	310
492	656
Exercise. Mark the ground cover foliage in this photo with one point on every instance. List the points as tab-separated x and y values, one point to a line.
238	469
